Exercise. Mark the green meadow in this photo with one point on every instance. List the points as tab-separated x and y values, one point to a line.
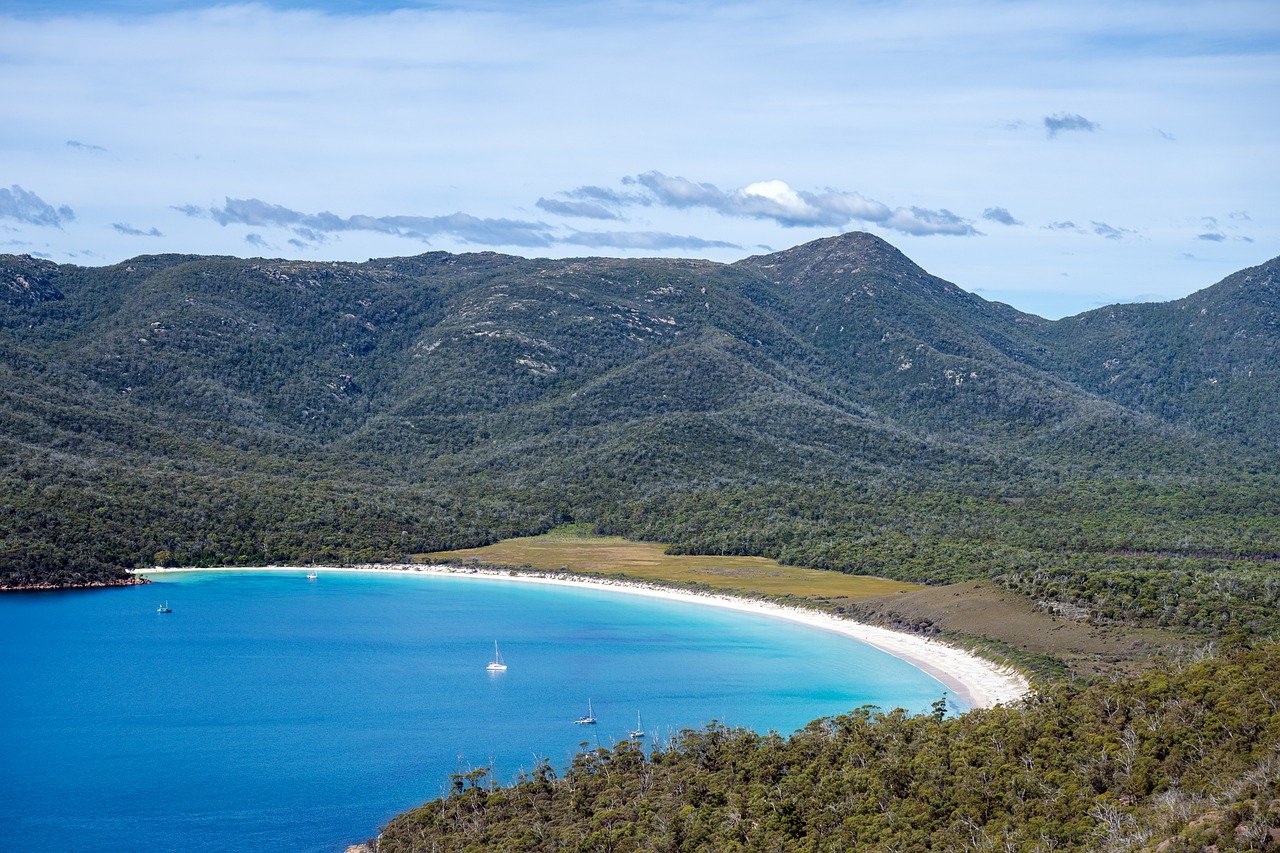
573	548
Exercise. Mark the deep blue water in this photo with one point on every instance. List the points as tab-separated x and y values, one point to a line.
268	711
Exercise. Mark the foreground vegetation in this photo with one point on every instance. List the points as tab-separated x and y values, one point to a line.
1184	754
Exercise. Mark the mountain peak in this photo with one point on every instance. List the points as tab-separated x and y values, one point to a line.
851	244
844	253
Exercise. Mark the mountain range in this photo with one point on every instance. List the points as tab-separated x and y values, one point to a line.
216	409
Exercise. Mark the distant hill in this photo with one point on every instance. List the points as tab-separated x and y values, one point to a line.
832	404
1209	362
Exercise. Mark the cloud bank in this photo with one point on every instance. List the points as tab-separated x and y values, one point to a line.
773	200
461	226
777	201
312	228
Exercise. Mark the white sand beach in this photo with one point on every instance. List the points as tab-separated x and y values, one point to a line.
976	681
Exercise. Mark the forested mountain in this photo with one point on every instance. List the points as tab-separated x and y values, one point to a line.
832	404
1209	362
846	325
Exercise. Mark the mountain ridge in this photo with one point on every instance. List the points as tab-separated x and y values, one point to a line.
853	305
848	246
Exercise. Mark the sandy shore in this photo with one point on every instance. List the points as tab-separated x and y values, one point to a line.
976	681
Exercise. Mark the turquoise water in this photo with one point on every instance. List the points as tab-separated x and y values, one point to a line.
269	711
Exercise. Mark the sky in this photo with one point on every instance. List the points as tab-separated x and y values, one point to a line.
1057	156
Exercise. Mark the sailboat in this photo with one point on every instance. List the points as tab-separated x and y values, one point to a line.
496	665
638	731
164	608
589	719
312	576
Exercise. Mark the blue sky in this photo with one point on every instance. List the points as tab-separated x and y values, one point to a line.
1056	156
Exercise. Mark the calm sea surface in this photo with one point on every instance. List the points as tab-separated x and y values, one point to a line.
269	711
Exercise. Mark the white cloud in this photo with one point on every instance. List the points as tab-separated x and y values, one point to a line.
644	240
921	222
1001	215
258	242
571	207
1067	122
777	196
128	230
1112	232
25	206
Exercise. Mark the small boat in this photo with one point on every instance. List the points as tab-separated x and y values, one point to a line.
496	665
312	576
589	719
164	608
638	731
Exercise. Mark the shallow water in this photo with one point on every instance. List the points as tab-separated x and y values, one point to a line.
269	711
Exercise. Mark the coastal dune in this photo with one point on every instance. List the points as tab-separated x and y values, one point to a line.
975	681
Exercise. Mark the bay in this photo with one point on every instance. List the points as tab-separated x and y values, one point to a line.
268	711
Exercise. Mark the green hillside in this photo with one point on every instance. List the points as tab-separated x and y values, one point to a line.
832	405
1210	362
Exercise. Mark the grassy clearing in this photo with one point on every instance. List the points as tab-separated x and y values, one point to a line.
1003	624
1007	624
573	549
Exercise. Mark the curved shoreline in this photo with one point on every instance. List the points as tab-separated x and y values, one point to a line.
976	681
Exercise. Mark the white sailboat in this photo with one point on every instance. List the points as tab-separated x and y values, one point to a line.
638	731
589	719
312	576
496	665
164	608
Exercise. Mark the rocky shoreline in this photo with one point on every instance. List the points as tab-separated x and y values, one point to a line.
133	580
